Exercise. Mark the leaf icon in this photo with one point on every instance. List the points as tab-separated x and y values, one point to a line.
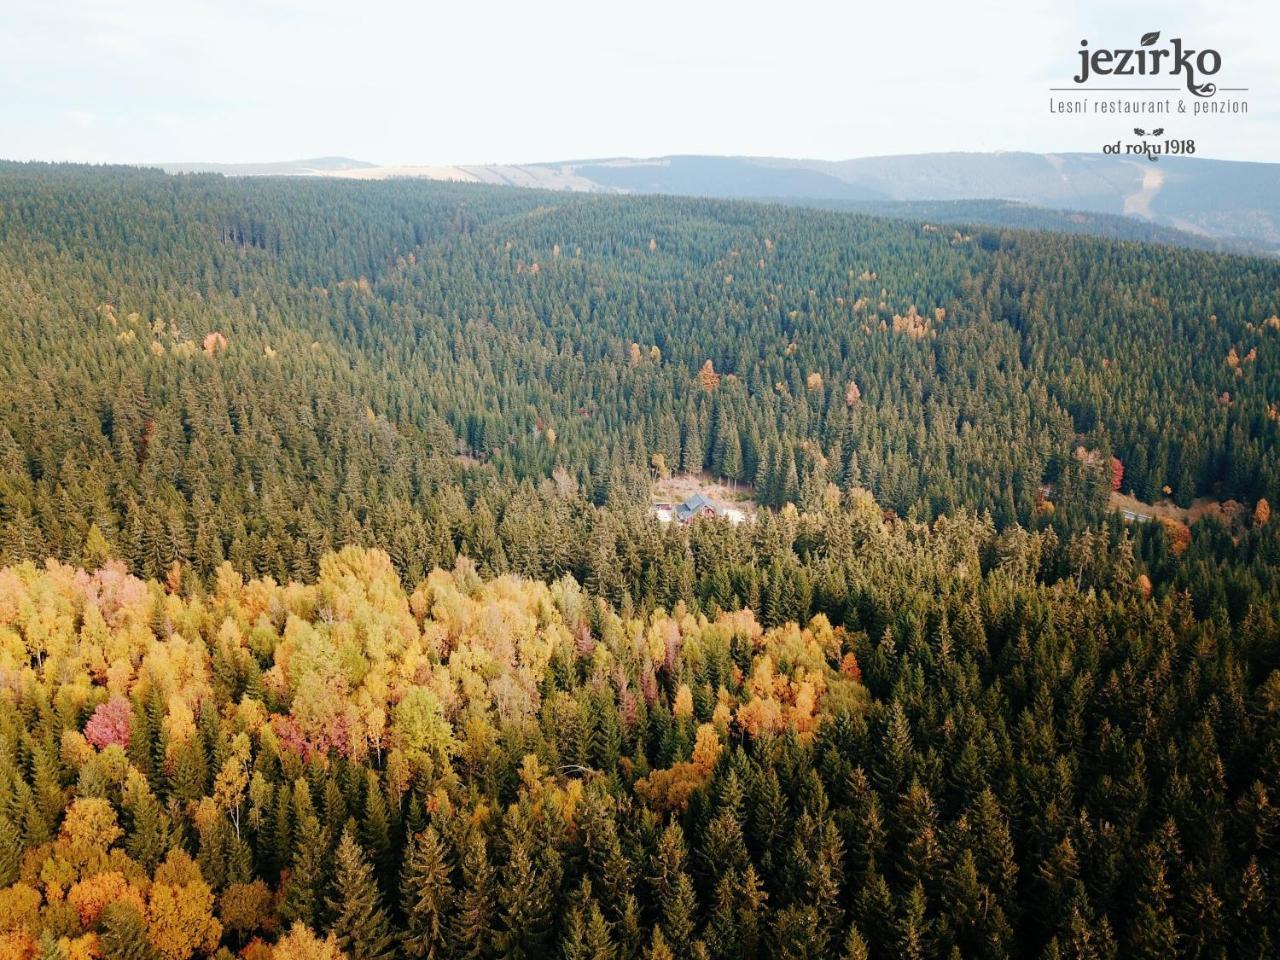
1157	131
1139	131
1149	38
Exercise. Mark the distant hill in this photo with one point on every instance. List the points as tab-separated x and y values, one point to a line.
1207	203
1221	200
317	166
1016	215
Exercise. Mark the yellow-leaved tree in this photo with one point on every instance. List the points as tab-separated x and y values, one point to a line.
180	917
301	944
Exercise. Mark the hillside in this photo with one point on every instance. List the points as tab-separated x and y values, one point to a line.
334	624
1017	215
538	332
1190	201
469	768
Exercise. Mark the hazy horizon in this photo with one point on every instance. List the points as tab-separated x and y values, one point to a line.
547	161
397	84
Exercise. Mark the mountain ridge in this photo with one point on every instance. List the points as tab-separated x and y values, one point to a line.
1221	204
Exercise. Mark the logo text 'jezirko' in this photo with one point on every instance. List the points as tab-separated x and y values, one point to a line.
1173	61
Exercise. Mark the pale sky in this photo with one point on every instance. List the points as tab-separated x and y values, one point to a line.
504	82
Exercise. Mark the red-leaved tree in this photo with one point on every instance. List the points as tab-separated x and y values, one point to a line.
109	724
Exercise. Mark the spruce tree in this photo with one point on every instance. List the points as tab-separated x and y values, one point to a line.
123	933
360	923
524	899
308	867
473	924
427	896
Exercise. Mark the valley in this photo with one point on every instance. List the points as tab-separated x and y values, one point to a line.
393	567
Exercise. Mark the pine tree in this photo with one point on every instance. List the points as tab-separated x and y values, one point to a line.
279	851
427	896
1152	933
190	777
360	924
10	851
737	924
658	949
731	458
599	941
124	934
375	827
692	456
797	934
48	948
524	899
875	911
679	915
96	551
473	925
913	927
308	868
855	948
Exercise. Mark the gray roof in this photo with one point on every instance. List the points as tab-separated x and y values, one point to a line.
693	506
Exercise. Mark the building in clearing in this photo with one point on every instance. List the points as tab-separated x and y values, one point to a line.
696	506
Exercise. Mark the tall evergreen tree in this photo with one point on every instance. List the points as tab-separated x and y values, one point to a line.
360	923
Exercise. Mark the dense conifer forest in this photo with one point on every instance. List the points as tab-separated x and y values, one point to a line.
334	622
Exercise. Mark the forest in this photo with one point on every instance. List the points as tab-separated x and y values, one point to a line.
333	622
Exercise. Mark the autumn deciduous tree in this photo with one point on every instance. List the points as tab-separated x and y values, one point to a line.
232	780
671	789
708	379
1179	535
419	728
245	908
682	708
90	824
301	944
109	725
180	917
90	896
20	909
